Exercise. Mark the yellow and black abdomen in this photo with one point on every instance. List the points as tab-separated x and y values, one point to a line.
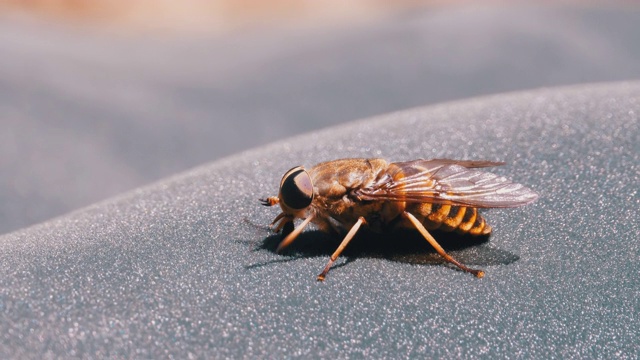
462	219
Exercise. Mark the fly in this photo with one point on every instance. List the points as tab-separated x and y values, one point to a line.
342	195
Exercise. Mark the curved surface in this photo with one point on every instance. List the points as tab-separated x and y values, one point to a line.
185	267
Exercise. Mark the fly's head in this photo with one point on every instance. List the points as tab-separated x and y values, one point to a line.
296	192
295	197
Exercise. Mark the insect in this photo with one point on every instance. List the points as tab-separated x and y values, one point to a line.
345	194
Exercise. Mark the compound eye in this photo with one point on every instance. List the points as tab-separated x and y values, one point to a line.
296	189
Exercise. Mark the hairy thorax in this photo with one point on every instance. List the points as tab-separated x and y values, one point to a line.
336	202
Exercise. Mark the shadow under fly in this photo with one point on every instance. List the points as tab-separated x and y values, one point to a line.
400	245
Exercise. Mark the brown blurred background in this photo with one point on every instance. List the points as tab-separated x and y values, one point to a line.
202	15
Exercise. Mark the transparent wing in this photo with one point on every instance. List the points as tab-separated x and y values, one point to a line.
451	182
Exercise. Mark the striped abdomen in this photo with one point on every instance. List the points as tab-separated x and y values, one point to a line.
462	219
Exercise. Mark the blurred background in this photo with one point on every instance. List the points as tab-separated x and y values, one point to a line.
99	97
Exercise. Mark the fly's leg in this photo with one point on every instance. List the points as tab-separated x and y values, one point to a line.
439	249
294	234
286	219
340	248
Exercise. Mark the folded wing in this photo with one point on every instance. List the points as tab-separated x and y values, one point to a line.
451	182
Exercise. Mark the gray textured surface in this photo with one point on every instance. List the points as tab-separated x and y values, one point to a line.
178	269
86	115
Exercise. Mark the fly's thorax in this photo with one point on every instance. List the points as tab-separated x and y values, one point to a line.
335	179
344	213
344	210
335	187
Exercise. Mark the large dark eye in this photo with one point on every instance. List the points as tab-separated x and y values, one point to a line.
296	189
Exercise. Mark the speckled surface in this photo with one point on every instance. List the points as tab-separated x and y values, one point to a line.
184	267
